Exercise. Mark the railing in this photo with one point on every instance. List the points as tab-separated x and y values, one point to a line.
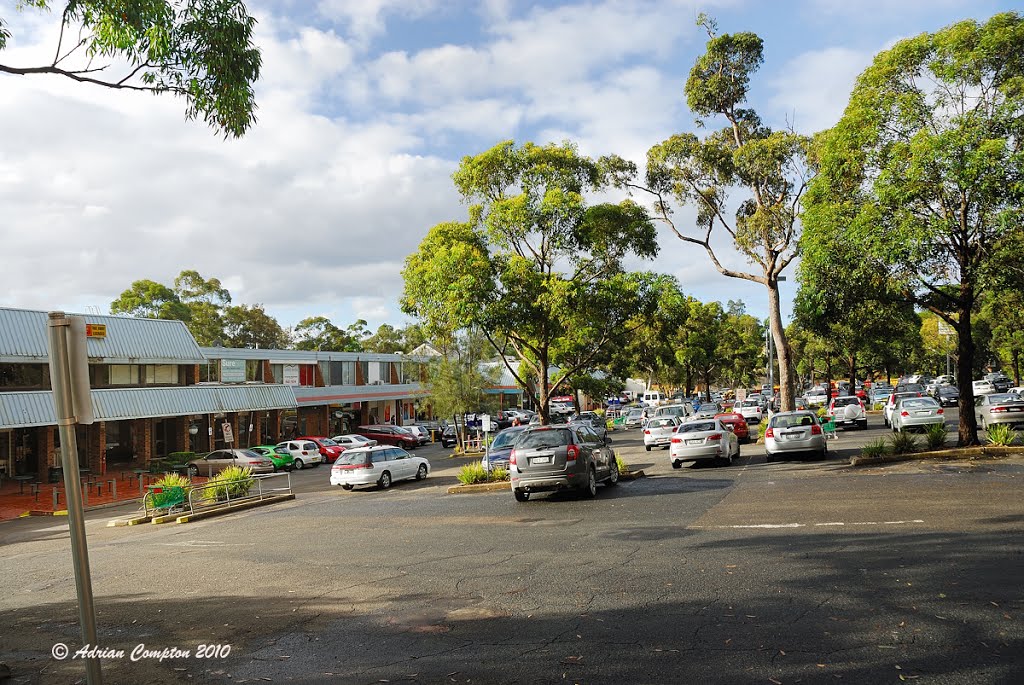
197	493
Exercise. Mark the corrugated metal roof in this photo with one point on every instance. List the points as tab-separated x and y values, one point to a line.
35	408
128	341
342	394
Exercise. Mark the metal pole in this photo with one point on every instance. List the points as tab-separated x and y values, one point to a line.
60	379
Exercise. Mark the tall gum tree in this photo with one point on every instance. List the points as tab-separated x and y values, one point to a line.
200	50
535	268
771	165
923	173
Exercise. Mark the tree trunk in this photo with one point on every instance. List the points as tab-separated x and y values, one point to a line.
545	400
576	401
707	382
853	373
1015	356
689	381
968	427
782	349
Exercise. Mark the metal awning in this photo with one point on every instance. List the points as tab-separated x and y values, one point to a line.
35	408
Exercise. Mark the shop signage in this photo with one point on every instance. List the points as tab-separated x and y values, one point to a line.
232	370
229	435
291	374
95	330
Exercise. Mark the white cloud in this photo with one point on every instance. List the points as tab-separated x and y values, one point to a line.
812	89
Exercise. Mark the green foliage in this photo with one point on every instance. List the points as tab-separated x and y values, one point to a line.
178	458
318	333
762	428
875	449
474	472
233	481
903	443
201	50
935	436
251	327
623	466
1001	434
535	269
457	383
173	485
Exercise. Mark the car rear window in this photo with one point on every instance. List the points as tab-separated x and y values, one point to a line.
791	420
661	423
918	403
697	427
544	438
844	401
1004	397
505	439
354	457
309	446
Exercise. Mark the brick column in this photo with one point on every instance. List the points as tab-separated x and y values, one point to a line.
360	380
183	441
274	425
47	441
268	373
96	450
144	434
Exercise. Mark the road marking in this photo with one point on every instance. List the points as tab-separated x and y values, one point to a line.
827	523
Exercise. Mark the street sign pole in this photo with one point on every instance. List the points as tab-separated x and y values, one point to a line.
73	405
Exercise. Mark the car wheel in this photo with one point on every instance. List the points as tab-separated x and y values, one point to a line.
768	458
984	424
613	476
297	464
823	454
385	481
863	425
648	447
590	489
421	472
346	486
521	495
193	470
676	464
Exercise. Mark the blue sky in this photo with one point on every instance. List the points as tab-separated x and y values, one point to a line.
366	107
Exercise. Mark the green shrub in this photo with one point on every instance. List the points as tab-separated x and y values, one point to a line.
903	443
179	458
599	412
499	474
169	483
936	434
822	411
474	472
878	406
234	481
877	448
623	466
1001	435
762	427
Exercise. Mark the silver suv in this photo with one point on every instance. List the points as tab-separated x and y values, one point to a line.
572	457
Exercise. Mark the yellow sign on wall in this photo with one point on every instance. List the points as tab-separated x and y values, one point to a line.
95	330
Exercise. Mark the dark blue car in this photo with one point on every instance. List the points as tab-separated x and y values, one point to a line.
501	447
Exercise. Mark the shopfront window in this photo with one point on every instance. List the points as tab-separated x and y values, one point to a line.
124	374
25	376
162	374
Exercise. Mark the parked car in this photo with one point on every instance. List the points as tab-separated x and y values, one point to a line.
945	379
421	434
737	424
547	458
352	440
659	430
701	440
680	411
910	387
983	387
381	466
848	412
891	403
1007	408
449	438
283	461
879	395
304	452
386	434
634	418
708	410
218	460
1000	381
916	412
329	449
794	432
816	397
751	410
501	447
947	395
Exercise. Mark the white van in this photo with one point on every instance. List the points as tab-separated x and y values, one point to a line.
653	398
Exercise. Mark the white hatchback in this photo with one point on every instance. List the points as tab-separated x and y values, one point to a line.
703	440
304	452
794	432
659	431
381	466
351	440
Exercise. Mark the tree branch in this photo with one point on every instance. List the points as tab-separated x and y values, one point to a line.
78	75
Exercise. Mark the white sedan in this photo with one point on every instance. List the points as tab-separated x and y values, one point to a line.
703	440
659	431
381	466
916	412
350	441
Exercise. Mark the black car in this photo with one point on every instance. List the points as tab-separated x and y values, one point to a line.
448	437
947	395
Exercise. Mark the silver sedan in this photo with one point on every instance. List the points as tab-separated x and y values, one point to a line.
659	431
703	440
1004	407
793	432
916	412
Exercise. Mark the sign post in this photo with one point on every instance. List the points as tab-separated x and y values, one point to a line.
485	425
69	377
946	331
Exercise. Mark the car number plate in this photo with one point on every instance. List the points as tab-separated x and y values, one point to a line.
1016	409
923	413
541	460
696	441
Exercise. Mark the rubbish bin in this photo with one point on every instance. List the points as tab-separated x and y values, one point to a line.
56	474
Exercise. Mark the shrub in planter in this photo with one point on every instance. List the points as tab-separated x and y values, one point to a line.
234	481
1001	435
903	443
169	484
875	449
178	458
936	436
623	466
473	472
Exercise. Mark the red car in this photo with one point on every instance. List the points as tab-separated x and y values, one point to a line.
329	449
386	434
738	424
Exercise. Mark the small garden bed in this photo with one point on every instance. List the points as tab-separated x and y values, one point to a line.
906	446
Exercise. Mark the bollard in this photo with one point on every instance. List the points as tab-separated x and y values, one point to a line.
56	499
140	483
85	495
113	489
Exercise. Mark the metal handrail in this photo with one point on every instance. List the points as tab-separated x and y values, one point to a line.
261	493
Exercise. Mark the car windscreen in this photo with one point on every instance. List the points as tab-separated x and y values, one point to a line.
328	442
505	439
660	423
354	457
697	427
947	390
538	439
918	403
792	420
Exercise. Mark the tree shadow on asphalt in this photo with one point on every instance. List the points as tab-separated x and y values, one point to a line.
860	608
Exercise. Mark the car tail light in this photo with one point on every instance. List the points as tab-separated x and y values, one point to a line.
904	413
815	429
714	436
770	433
571	452
1000	409
512	458
677	440
940	411
646	432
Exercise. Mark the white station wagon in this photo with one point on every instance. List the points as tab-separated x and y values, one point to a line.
381	466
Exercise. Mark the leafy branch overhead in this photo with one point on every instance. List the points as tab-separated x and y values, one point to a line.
201	50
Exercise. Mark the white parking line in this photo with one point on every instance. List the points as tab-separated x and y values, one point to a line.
827	523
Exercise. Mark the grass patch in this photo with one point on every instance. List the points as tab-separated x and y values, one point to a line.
903	443
935	435
1001	435
878	448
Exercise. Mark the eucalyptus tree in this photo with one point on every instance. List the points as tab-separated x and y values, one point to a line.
770	166
535	268
922	173
200	50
